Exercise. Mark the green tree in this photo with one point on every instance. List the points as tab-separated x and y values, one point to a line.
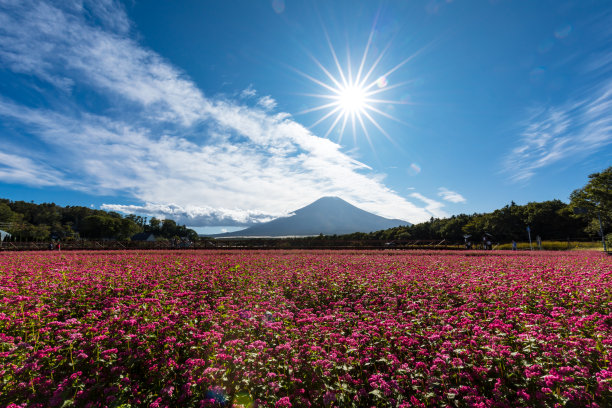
141	221
452	228
168	228
37	232
99	226
476	227
6	214
595	199
154	226
127	229
108	226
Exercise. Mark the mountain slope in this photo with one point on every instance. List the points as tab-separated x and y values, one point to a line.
327	215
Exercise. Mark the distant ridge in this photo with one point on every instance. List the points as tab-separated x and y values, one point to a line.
327	216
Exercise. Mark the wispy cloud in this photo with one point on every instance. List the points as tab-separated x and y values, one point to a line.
434	207
573	130
570	132
203	160
61	45
248	92
451	196
22	170
267	102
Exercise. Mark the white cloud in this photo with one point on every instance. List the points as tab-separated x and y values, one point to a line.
22	170
267	102
280	167
201	160
195	215
566	133
58	44
106	12
451	196
248	93
433	206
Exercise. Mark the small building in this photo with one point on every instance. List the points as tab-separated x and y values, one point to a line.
144	236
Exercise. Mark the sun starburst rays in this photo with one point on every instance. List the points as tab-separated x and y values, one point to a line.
352	95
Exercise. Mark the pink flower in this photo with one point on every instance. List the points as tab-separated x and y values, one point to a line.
283	403
523	394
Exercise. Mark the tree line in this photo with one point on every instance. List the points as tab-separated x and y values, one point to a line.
27	221
588	213
551	220
583	218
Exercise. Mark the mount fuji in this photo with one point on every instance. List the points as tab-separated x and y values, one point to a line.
327	216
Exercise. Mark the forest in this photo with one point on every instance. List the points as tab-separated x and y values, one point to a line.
27	221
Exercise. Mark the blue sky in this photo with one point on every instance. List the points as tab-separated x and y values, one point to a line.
225	113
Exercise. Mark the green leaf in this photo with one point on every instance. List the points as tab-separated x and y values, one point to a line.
376	393
244	399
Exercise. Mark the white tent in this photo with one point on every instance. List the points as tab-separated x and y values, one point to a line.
4	234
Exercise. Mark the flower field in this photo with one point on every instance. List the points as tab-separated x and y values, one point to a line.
299	329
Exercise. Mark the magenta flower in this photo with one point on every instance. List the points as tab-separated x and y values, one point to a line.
284	402
319	328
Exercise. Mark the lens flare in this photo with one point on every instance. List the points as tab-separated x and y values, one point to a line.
278	6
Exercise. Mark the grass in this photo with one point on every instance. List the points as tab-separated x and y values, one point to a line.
554	245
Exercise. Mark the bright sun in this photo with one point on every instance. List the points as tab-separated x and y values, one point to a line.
353	98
